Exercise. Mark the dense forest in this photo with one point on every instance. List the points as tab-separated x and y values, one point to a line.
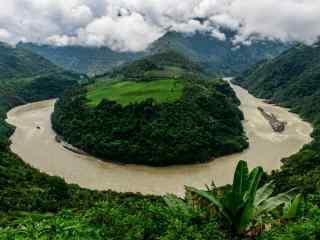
34	205
203	123
215	55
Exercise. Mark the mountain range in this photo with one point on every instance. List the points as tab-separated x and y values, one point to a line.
221	56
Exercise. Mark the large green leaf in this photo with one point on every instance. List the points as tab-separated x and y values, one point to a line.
292	208
264	193
234	199
246	217
240	180
273	202
212	199
253	183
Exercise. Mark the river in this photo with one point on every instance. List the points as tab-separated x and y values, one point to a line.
38	148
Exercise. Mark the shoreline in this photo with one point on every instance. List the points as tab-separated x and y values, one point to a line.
39	148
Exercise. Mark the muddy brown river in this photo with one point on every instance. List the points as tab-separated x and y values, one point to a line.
39	148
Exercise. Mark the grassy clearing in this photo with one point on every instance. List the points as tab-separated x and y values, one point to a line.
125	92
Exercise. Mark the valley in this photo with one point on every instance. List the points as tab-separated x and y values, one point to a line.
39	149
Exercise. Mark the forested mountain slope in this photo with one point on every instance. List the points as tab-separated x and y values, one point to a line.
89	60
216	55
293	80
26	77
16	63
219	56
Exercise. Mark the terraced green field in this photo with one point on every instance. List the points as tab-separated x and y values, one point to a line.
125	92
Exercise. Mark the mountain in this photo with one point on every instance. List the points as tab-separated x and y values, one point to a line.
292	79
216	55
16	62
90	60
220	56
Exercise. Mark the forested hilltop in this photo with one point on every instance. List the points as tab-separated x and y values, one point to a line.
161	110
218	56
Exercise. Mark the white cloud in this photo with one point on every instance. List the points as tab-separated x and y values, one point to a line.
134	24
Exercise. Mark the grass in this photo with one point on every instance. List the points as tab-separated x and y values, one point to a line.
126	92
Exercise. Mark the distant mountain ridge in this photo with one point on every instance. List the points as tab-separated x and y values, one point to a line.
216	55
17	62
89	60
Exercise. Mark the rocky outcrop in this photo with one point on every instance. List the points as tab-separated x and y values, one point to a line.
275	123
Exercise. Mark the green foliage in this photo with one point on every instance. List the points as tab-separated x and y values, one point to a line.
291	210
245	204
307	227
124	92
20	63
139	220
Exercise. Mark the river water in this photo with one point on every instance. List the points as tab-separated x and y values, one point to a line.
39	148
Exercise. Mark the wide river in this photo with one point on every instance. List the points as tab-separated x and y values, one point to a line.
39	148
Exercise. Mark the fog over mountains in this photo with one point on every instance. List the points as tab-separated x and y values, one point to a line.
133	25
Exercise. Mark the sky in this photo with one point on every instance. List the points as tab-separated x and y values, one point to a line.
132	25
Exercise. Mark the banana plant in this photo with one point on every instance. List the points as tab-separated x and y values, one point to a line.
245	202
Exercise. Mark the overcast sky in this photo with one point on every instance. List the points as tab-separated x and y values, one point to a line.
134	24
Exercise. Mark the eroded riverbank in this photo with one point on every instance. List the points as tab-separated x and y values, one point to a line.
37	146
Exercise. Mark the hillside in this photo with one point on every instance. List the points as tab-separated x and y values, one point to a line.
20	63
293	80
215	55
155	113
26	77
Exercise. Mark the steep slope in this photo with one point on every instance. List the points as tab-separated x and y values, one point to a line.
18	63
215	55
25	77
293	80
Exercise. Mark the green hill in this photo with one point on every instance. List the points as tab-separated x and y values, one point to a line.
177	117
215	55
20	63
293	80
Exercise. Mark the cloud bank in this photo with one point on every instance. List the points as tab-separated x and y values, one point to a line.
132	25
